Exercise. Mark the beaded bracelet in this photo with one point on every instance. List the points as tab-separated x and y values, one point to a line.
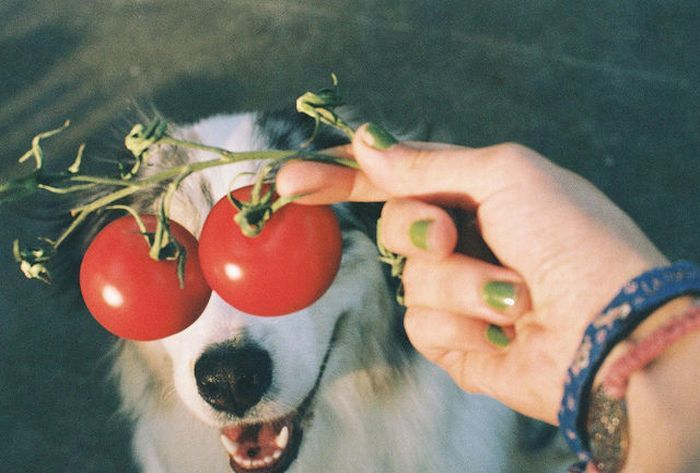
637	299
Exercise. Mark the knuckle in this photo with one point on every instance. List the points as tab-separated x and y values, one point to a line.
518	161
511	154
512	149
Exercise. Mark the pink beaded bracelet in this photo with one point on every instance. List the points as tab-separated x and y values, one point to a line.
644	352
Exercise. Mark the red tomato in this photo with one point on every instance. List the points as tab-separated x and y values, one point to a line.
285	268
134	296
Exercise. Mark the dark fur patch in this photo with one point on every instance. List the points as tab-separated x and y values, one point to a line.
289	129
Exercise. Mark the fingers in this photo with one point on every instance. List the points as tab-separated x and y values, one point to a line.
407	169
402	169
326	184
460	346
320	183
411	227
436	277
433	331
467	286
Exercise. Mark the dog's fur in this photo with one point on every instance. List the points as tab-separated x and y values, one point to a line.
358	398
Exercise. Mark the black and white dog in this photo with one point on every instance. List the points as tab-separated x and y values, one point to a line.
343	390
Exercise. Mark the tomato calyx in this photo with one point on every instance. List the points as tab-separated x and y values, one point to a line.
252	215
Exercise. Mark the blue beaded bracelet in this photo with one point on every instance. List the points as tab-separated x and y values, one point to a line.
637	299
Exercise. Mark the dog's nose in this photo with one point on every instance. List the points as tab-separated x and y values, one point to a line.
233	379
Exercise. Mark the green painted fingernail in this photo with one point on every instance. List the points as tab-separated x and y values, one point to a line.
379	137
499	294
419	233
497	336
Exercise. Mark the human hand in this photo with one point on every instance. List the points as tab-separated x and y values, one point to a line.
565	250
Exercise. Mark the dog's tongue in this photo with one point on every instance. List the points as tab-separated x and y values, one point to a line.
256	447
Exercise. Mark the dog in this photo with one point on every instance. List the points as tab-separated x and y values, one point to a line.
335	387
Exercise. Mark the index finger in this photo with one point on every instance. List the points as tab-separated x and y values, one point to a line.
322	183
407	170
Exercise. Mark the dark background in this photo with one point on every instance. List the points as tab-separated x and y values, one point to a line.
609	89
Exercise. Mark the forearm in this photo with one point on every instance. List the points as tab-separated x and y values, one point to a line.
663	403
663	408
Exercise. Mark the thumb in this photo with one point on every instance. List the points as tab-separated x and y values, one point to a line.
415	169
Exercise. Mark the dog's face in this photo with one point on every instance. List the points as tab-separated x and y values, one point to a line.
256	380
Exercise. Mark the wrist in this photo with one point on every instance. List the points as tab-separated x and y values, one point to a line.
663	409
652	323
638	299
622	384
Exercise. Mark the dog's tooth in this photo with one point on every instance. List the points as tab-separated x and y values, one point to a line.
268	460
247	463
277	454
282	438
230	446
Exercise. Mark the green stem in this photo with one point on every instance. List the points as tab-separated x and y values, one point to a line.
131	187
228	156
89	182
66	233
140	140
64	190
160	239
101	181
177	173
137	218
36	151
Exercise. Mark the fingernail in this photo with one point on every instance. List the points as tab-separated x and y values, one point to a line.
500	295
418	232
497	336
377	137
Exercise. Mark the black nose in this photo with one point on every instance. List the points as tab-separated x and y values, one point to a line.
233	379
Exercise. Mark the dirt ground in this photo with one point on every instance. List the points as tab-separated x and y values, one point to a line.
610	89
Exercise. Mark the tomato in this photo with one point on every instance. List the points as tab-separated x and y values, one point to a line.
285	268
134	296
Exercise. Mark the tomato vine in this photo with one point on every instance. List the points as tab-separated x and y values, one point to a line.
112	193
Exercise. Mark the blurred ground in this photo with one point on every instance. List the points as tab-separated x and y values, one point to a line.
610	89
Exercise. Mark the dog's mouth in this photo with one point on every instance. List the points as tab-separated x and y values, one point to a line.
265	447
271	446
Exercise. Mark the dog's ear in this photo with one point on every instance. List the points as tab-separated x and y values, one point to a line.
50	215
288	129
